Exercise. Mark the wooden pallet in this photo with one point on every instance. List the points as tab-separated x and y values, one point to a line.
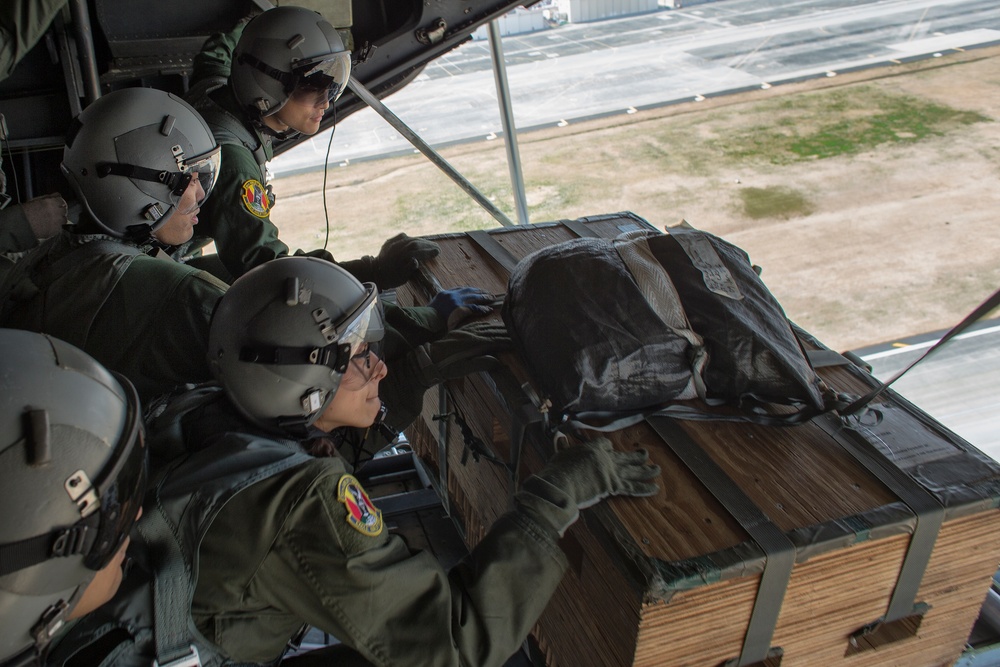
792	543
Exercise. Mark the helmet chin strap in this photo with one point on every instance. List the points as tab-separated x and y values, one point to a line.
388	432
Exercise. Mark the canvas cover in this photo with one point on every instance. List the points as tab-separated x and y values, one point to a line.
647	319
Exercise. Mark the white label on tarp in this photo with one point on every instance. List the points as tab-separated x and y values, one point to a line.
717	277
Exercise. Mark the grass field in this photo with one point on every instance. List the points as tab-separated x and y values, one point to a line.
882	182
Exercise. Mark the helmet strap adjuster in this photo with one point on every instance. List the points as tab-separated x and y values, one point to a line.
72	542
312	401
153	212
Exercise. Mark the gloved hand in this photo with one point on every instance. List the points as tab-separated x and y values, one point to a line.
581	476
461	351
458	304
399	258
46	215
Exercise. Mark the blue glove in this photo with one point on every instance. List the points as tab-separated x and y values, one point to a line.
458	304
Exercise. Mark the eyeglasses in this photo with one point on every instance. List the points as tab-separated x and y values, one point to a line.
364	370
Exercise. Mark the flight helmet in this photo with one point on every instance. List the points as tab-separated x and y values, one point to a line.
130	156
283	335
72	478
285	50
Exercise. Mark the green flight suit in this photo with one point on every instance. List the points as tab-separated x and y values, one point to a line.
282	552
22	23
144	317
236	216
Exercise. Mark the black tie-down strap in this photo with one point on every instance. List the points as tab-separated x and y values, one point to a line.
778	550
902	619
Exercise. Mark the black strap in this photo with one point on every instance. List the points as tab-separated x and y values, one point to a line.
977	314
778	549
19	555
493	248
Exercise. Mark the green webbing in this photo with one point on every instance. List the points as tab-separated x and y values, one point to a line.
778	549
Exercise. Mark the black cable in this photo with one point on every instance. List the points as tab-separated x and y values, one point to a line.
13	170
326	169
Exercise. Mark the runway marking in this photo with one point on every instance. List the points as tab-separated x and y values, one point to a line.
920	346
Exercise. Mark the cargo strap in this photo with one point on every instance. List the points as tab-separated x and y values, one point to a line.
980	311
580	228
778	549
493	248
903	608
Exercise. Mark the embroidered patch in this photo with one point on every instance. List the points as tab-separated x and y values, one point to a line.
255	198
361	513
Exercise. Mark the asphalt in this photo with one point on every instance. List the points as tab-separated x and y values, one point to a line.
576	72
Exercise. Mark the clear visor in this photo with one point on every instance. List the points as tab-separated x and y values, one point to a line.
204	168
365	325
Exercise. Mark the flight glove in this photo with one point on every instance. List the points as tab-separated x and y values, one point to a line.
397	261
461	351
460	303
582	475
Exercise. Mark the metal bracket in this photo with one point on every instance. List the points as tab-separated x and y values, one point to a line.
432	35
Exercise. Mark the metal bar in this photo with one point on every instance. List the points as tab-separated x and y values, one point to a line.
507	119
85	50
358	89
443	448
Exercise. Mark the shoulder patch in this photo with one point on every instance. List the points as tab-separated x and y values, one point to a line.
255	198
362	515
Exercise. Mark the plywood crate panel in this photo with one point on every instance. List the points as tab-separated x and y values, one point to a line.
673	579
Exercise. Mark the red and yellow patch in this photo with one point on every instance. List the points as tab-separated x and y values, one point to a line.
255	198
362	515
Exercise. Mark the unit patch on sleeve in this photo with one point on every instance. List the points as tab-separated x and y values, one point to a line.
361	513
255	198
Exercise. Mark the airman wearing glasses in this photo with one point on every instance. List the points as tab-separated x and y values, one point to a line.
276	539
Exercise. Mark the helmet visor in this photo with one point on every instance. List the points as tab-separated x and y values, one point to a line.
324	76
121	488
205	168
364	325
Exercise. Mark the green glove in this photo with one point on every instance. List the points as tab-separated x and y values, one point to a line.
461	351
581	476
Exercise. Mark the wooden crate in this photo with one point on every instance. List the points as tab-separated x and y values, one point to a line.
765	544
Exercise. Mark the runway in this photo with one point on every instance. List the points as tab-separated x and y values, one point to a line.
580	71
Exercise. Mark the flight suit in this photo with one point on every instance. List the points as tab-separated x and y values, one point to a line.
22	23
237	217
306	545
144	317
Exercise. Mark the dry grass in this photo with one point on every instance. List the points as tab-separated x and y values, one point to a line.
869	199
